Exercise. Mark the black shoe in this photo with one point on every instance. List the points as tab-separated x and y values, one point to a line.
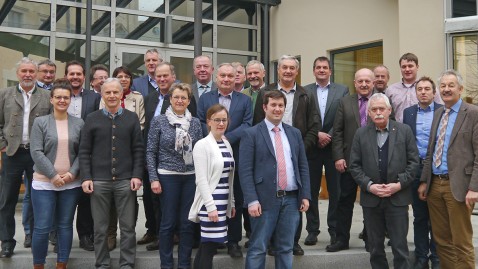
338	246
333	239
311	239
146	239
246	245
248	234
28	241
367	248
421	264
361	233
297	250
86	243
234	250
52	238
55	248
153	246
7	250
270	252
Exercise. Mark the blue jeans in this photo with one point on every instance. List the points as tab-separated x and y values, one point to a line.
176	200
280	221
45	205
421	226
27	211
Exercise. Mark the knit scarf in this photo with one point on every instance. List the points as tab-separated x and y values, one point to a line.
184	143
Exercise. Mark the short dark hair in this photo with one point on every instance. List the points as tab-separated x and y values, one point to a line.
95	68
74	62
409	57
47	62
61	83
425	78
321	59
274	94
123	69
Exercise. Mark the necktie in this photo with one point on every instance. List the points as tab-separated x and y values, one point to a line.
363	111
441	138
205	88
280	159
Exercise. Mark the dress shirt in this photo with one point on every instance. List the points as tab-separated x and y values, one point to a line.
44	86
322	93
443	168
152	82
74	109
225	100
202	90
288	117
382	135
114	115
157	112
291	182
423	126
26	113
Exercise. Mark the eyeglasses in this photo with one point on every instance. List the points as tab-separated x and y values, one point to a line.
101	78
51	72
123	77
182	98
217	120
66	98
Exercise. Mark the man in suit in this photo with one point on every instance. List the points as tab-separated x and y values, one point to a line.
275	179
351	115
83	102
383	162
46	74
19	106
203	70
328	95
419	117
147	84
98	74
301	113
449	181
240	118
255	74
382	76
240	76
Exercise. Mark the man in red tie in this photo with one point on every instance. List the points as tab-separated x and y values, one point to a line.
275	182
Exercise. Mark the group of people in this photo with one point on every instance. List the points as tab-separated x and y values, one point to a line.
211	154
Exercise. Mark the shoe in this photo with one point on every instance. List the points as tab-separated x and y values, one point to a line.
28	241
38	266
111	242
436	265
367	248
311	240
338	246
7	251
246	245
248	234
86	243
421	264
153	246
270	252
360	236
55	248
52	238
61	265
389	243
297	250
234	250
333	239
146	239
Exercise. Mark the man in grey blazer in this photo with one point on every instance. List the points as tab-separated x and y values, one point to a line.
147	84
449	181
19	106
203	70
328	95
383	162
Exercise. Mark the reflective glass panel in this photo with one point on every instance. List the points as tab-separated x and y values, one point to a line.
465	61
241	13
68	49
463	8
145	5
235	38
183	33
72	20
186	8
26	15
139	27
183	68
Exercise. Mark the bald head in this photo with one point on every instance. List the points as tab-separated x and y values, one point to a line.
364	81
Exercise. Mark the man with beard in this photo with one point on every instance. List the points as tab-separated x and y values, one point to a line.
255	73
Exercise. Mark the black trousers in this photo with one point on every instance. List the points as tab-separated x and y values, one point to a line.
345	207
234	225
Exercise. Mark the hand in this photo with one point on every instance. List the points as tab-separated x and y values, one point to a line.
394	187
471	198
324	139
136	184
422	191
380	190
255	210
67	177
213	216
233	212
57	181
304	206
87	186
341	165
156	187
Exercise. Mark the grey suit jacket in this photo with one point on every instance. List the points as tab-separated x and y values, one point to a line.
44	144
462	156
401	168
335	93
11	115
194	87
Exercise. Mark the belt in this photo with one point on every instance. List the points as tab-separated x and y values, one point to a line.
282	193
25	146
442	176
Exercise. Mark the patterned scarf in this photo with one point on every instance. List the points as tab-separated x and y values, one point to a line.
184	143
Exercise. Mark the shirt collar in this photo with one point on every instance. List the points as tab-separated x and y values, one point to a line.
411	86
326	86
43	85
220	94
431	107
109	114
456	107
209	84
270	125
386	127
21	90
291	90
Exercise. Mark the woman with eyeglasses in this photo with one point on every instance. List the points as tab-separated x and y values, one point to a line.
132	101
214	199
169	156
54	142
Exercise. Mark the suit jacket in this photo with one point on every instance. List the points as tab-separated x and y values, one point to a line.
410	116
90	102
142	85
11	115
304	111
402	162
194	87
258	167
462	153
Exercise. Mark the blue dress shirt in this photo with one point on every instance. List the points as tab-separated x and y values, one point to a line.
424	124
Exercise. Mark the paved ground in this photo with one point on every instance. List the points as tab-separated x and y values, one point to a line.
315	256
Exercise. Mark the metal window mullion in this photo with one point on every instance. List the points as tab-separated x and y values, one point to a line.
52	54
214	32
113	52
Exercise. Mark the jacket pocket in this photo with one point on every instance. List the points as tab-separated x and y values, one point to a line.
258	180
468	170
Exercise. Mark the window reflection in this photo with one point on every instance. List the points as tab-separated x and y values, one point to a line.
139	27
465	61
28	15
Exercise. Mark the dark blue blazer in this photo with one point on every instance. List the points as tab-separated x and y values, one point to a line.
240	114
258	169
410	116
141	85
90	102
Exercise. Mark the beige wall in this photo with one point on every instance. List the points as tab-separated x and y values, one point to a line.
311	28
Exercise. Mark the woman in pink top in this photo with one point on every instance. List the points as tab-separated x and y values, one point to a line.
54	141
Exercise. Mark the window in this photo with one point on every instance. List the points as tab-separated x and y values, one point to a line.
465	61
463	8
345	62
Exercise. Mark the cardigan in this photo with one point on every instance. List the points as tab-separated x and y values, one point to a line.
44	144
209	166
111	148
